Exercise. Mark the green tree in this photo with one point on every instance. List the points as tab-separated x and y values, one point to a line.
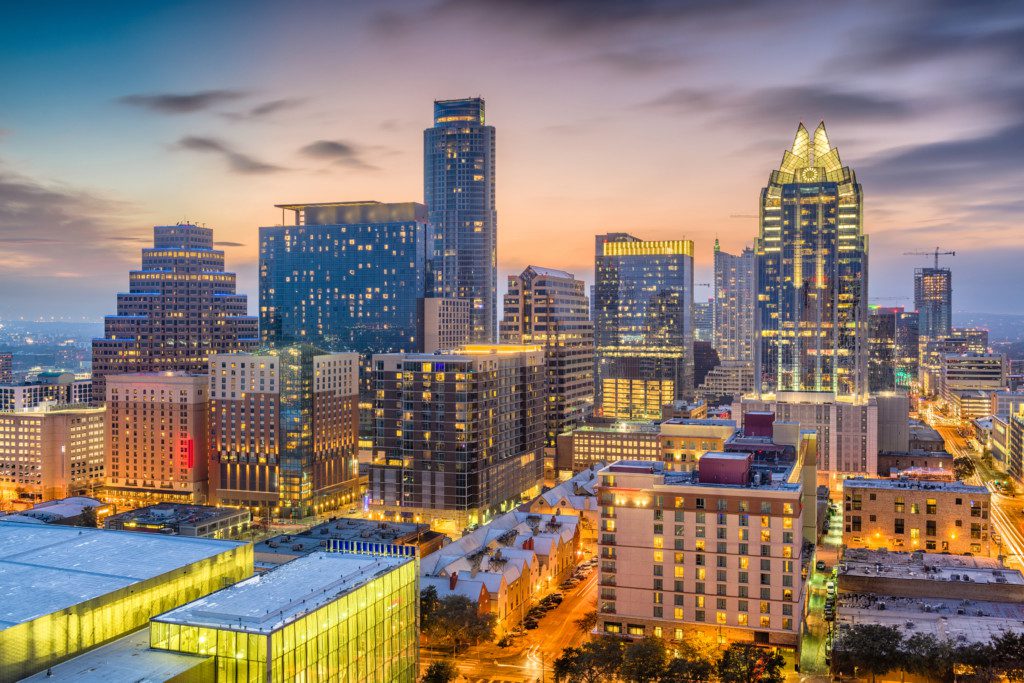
587	622
867	649
746	663
428	606
927	655
89	518
443	671
644	660
1008	654
593	662
691	664
963	468
456	622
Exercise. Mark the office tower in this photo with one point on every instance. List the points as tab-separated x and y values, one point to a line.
959	341
283	430
716	550
458	179
703	321
812	273
549	308
459	437
180	307
969	380
643	327
6	368
907	349
346	275
57	388
933	299
734	304
444	324
157	439
51	452
892	348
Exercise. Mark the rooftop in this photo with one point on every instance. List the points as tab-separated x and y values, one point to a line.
46	568
171	514
267	602
765	475
622	428
976	621
927	567
915	484
341	529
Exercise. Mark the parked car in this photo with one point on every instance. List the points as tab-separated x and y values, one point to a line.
820	565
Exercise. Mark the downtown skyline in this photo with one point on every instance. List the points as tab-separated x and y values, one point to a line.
137	117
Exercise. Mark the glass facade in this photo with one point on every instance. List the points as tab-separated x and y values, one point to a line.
458	177
933	299
812	273
369	634
643	325
892	349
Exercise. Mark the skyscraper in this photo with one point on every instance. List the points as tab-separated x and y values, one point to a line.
933	299
812	273
283	430
734	304
458	177
643	326
703	321
459	437
6	368
180	307
892	348
549	308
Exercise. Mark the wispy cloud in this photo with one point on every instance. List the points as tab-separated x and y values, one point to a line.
228	244
266	109
182	103
237	161
338	151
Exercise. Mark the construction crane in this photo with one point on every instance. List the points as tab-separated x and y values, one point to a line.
935	253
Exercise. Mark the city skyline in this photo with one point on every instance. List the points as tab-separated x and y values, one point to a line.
218	133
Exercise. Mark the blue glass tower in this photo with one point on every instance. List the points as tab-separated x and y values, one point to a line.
458	176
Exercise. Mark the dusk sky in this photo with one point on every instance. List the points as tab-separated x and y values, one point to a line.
662	119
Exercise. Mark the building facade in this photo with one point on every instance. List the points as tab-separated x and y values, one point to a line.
444	324
734	304
58	388
933	299
549	308
459	181
717	550
812	277
284	430
6	368
51	452
157	439
643	326
458	437
703	322
180	307
892	349
908	514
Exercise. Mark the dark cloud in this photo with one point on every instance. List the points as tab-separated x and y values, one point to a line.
182	103
641	59
237	161
228	244
266	109
339	151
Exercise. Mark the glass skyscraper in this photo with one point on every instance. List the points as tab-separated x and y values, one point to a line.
933	299
643	325
458	177
812	273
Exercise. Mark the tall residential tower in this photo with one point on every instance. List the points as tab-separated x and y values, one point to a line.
458	177
734	304
812	273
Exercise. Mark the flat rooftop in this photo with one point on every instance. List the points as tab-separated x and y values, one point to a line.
909	484
976	621
267	602
621	428
927	567
163	514
773	476
342	529
125	659
46	568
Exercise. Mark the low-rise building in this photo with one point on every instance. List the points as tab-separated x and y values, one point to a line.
893	462
578	496
684	441
970	404
917	514
719	549
688	410
590	444
200	521
286	547
514	558
924	438
67	511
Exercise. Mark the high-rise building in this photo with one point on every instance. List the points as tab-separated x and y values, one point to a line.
549	308
643	325
972	372
933	299
57	388
812	258
51	452
892	348
180	307
734	304
157	439
703	321
458	178
444	324
959	341
283	430
459	437
6	368
346	275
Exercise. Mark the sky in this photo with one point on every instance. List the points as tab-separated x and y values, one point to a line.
657	117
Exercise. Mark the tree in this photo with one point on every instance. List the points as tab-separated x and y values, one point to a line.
930	656
746	663
442	671
587	622
456	622
1008	651
963	468
867	648
691	664
428	606
593	662
644	660
89	518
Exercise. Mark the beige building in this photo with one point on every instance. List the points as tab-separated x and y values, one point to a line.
917	514
51	452
445	323
716	550
157	441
